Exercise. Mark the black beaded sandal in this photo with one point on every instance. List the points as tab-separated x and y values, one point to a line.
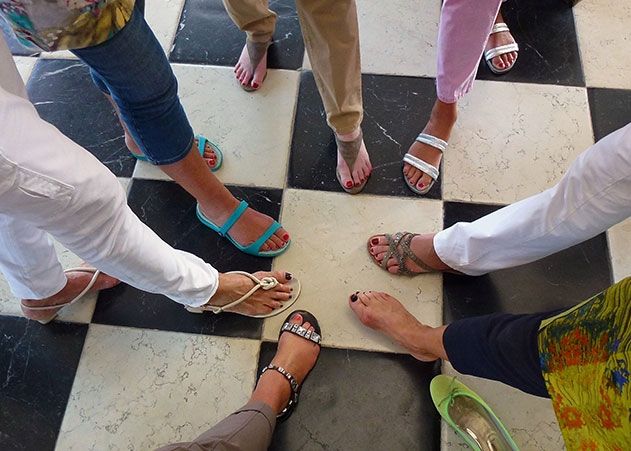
295	329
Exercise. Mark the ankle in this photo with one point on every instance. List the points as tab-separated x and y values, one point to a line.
273	390
349	136
443	117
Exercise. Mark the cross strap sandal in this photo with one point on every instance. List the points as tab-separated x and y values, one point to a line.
399	248
296	329
501	50
423	166
349	151
256	52
266	283
55	309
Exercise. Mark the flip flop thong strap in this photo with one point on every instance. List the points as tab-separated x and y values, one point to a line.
256	51
293	384
350	149
501	50
499	27
234	217
266	283
88	287
421	165
297	329
430	140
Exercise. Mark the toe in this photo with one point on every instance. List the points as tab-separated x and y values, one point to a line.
275	242
423	182
282	235
379	256
296	319
281	297
414	176
394	269
274	305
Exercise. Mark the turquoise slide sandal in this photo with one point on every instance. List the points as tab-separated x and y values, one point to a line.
201	146
252	249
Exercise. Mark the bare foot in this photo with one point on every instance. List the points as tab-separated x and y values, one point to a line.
262	302
251	68
383	313
76	283
421	245
361	171
296	355
507	60
440	124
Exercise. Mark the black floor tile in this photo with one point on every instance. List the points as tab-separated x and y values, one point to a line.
170	212
559	280
356	400
15	46
396	110
37	368
610	109
64	95
208	36
548	47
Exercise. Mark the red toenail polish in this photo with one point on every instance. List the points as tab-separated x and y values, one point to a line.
421	185
375	241
255	85
349	184
286	236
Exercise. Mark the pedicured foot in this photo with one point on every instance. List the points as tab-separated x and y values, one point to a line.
362	168
261	302
506	61
441	122
251	68
296	355
383	313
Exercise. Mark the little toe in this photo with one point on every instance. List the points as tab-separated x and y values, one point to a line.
275	242
281	297
274	305
380	256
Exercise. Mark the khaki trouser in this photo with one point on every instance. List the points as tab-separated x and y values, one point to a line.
248	429
331	36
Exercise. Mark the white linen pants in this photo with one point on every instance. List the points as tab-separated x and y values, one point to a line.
49	184
594	195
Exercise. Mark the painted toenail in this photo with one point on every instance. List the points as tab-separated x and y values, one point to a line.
288	275
353	297
286	237
375	241
255	85
349	184
421	185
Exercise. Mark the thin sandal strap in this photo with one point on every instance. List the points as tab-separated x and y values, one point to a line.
293	384
430	140
399	248
266	283
88	287
350	149
422	166
499	27
501	50
234	217
256	51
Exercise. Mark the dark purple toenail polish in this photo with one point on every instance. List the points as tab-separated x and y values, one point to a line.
290	296
288	275
353	297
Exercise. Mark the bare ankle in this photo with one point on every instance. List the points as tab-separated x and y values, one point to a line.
444	115
349	136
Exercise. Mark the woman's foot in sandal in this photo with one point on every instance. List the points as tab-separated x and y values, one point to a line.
382	312
394	250
296	355
76	282
440	124
501	41
353	161
251	69
261	302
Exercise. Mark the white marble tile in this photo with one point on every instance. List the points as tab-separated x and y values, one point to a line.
328	253
529	419
81	312
514	140
620	249
163	16
140	389
25	66
252	129
400	39
604	38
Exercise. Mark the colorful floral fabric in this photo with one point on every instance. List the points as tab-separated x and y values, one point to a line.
66	24
586	362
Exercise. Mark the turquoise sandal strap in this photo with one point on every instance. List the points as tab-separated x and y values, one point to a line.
234	217
201	144
263	238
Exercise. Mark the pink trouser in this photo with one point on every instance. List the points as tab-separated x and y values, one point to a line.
462	34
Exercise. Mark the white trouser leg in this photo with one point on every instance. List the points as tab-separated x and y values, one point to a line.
594	195
51	183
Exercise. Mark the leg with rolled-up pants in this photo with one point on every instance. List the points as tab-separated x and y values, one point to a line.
51	185
592	196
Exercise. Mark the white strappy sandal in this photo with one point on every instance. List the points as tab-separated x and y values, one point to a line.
423	166
501	50
266	283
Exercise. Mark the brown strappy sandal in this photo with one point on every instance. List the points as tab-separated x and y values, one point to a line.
349	151
256	52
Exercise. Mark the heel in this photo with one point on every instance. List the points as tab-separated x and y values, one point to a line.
194	309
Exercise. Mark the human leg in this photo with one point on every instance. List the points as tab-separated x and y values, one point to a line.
136	73
331	36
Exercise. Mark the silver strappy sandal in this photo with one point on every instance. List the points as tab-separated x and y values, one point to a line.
501	50
399	248
423	166
349	151
256	52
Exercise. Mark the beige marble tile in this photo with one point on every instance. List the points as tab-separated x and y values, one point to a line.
529	419
80	312
604	38
514	140
60	54
163	16
328	253
620	249
140	389
253	130
399	39
25	66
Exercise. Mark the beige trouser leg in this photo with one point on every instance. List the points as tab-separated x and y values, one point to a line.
331	35
248	429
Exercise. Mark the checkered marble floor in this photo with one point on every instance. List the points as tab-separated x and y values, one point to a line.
133	370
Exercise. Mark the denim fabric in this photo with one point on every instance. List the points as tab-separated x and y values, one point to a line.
134	70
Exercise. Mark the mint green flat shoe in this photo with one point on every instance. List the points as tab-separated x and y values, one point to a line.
468	414
201	147
252	249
